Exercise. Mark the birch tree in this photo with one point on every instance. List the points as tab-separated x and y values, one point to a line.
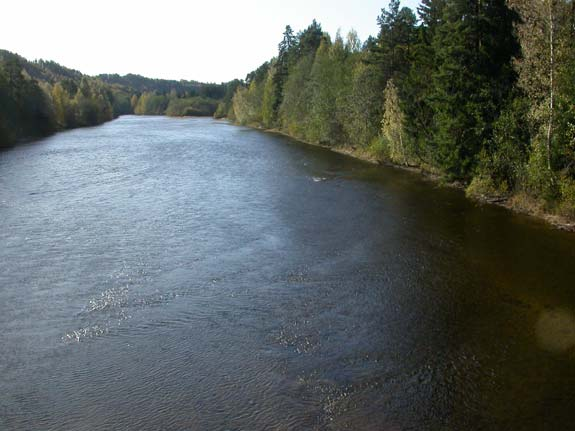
543	22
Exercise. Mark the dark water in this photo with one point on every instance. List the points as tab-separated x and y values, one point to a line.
176	274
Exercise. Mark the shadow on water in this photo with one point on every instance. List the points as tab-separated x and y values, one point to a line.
462	306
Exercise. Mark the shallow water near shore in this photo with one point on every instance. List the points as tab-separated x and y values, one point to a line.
161	273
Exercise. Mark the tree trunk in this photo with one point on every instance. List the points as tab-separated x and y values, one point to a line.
551	78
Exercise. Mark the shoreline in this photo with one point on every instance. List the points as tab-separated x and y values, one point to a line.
515	203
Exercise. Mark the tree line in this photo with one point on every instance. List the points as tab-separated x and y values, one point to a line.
42	97
481	92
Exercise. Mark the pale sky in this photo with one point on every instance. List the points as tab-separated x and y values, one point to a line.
208	41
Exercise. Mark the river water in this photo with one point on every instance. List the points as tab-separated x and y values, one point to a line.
172	274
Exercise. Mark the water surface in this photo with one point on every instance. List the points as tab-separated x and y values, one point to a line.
172	274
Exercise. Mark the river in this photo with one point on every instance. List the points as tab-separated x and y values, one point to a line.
188	274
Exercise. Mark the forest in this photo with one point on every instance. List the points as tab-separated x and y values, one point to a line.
480	93
42	97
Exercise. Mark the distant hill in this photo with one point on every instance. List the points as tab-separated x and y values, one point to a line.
142	84
42	70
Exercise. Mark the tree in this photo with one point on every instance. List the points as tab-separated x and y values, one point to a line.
134	101
269	101
6	109
286	57
363	105
474	47
353	43
293	112
392	125
309	40
546	37
247	103
430	13
397	35
322	123
61	103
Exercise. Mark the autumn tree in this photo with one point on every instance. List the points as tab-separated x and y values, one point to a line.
392	125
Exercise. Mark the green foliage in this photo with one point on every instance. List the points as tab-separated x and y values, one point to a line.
269	101
564	145
472	81
191	106
322	125
467	93
567	191
40	97
249	98
151	103
483	186
547	78
63	108
480	91
392	125
540	181
364	105
379	148
297	94
247	104
503	158
141	84
225	106
93	103
25	109
286	57
396	38
309	40
121	102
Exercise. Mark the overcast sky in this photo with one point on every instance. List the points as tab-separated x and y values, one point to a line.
210	40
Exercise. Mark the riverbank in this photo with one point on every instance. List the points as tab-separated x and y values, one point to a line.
519	202
27	139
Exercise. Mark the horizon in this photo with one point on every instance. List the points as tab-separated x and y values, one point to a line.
162	40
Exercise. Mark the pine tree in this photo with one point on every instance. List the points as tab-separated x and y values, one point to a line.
430	13
397	35
309	40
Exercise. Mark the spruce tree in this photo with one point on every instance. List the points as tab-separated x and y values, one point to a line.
286	56
418	87
474	47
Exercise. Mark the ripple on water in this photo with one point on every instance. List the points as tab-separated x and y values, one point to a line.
108	310
206	280
299	336
81	334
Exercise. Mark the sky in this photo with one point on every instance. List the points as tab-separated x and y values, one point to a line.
208	41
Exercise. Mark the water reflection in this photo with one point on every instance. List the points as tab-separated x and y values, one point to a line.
555	330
